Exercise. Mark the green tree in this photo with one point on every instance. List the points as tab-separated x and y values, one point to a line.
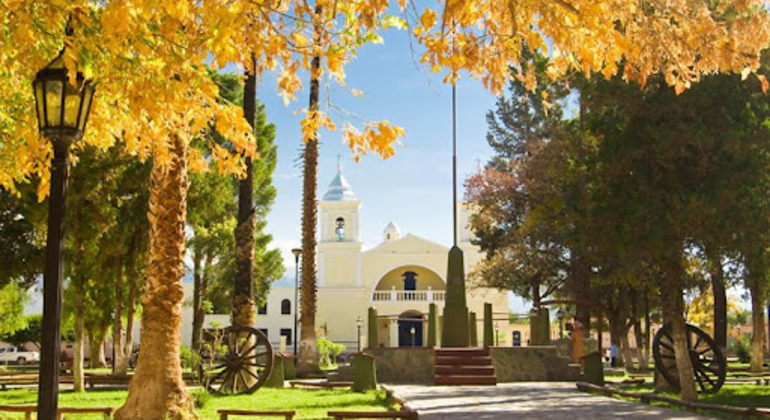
22	238
12	301
212	214
521	255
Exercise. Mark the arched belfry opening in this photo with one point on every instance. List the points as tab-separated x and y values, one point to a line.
339	229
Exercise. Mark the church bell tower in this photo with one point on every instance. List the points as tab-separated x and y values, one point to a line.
339	248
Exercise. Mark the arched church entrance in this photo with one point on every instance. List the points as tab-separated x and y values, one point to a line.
410	329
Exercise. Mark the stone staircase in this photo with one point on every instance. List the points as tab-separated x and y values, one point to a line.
464	366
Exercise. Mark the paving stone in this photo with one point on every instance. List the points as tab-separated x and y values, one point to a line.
524	401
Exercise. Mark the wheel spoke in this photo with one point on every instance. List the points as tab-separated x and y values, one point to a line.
259	365
255	355
253	346
699	380
713	384
252	374
667	346
698	341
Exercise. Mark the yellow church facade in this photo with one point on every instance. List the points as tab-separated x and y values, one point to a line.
400	277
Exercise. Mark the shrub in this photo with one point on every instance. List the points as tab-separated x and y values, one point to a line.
187	357
328	352
200	398
742	349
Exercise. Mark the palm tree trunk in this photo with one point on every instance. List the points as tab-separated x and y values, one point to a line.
243	296
157	390
308	357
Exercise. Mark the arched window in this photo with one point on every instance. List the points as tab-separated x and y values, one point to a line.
340	229
285	307
410	280
262	310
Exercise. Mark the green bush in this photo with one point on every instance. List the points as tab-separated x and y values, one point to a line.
187	357
328	352
742	349
200	398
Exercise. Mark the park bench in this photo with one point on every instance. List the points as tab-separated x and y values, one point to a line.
326	385
28	410
288	415
403	414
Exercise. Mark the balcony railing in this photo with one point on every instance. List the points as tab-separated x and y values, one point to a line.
409	296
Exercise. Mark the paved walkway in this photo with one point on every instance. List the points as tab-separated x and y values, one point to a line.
524	400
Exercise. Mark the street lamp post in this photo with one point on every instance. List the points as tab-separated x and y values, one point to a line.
497	335
62	112
560	316
359	322
412	331
297	252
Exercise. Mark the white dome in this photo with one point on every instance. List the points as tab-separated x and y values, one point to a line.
392	227
339	189
391	232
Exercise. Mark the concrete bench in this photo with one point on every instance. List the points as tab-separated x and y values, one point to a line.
288	415
28	410
404	414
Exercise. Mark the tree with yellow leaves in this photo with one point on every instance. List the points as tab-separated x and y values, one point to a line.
155	95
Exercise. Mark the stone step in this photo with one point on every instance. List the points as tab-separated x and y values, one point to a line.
463	361
462	352
465	370
466	380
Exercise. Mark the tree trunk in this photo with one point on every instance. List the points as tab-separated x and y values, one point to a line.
78	357
647	329
243	293
157	390
758	324
307	359
673	312
96	350
637	326
118	356
197	327
128	346
716	273
628	355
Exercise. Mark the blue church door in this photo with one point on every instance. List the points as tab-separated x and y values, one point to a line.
406	323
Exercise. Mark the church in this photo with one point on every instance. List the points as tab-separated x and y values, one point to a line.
400	277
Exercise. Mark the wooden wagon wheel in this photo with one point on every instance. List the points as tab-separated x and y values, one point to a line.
238	360
708	363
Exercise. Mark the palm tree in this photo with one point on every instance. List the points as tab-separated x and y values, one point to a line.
157	390
243	296
307	359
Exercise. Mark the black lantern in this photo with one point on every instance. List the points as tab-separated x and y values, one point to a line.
62	111
62	108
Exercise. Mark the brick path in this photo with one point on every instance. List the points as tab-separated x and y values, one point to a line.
524	400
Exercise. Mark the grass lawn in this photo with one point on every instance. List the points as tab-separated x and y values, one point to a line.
309	404
757	396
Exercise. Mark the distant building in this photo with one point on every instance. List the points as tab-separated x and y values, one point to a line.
400	277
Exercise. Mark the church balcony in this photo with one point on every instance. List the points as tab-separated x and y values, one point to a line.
409	296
